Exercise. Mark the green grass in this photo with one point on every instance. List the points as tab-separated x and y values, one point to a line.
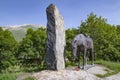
13	72
105	75
114	66
9	76
30	78
111	65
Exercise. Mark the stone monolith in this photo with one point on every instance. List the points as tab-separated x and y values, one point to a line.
55	39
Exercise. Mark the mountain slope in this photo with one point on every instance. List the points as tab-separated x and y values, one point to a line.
19	31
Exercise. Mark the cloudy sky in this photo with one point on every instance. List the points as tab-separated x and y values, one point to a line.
18	12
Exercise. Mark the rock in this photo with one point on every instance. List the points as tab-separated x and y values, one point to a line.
70	74
113	77
98	69
55	39
64	75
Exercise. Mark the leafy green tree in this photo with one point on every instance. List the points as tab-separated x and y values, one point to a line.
7	44
104	36
31	51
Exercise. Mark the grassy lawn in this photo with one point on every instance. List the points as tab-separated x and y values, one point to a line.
114	66
14	72
9	76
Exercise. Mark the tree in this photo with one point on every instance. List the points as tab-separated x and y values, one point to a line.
104	36
31	51
7	44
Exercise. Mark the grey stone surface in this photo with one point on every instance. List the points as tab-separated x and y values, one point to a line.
55	39
71	74
64	75
113	77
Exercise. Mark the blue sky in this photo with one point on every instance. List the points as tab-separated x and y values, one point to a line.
18	12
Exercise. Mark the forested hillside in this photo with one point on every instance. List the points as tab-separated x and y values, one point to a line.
30	52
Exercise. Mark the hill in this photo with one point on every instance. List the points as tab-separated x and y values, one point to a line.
19	31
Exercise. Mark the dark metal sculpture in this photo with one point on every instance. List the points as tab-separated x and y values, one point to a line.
82	43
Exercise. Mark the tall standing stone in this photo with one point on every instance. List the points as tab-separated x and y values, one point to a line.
55	39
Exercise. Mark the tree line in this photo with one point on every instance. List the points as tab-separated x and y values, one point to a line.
30	52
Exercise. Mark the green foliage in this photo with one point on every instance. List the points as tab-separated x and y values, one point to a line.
9	76
105	36
31	51
70	33
7	48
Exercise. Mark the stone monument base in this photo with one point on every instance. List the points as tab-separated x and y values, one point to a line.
81	67
64	75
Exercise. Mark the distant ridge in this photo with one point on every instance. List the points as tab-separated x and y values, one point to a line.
19	31
22	26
